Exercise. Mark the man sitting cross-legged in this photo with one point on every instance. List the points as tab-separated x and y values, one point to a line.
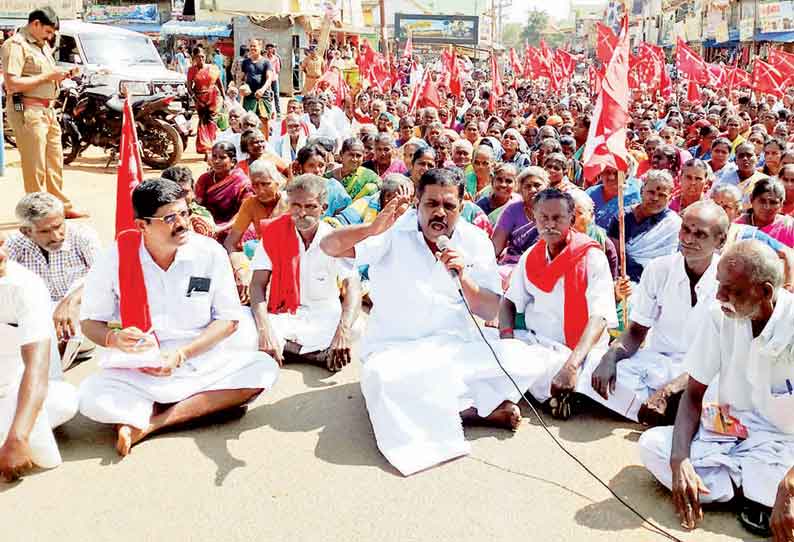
739	433
301	319
674	295
563	286
170	286
34	399
424	364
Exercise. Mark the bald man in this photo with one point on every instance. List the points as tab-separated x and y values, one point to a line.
673	297
747	439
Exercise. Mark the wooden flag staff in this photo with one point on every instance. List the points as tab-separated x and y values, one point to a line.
622	242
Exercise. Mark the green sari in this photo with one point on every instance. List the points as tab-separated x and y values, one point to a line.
361	183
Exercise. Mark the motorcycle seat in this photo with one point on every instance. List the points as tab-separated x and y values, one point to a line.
116	103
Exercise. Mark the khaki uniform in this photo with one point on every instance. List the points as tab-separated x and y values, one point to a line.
37	131
313	70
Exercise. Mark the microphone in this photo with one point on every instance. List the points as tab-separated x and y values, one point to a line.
443	244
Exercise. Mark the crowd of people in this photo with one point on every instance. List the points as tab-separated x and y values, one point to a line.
427	219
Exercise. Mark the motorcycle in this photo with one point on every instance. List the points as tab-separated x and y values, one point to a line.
93	115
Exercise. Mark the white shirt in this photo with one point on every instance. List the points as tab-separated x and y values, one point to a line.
234	138
326	129
544	311
175	314
663	301
413	294
319	272
753	372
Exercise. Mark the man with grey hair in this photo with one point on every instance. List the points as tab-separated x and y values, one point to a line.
295	297
61	254
674	295
744	349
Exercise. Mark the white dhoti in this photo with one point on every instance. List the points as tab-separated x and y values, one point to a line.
126	396
638	377
757	464
415	391
312	328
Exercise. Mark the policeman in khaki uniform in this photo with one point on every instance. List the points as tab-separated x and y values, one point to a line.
31	73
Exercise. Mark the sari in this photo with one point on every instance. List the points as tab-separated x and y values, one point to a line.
476	217
494	213
208	103
362	182
655	236
361	211
782	228
605	211
223	198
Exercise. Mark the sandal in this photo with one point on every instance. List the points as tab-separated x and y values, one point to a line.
755	518
562	406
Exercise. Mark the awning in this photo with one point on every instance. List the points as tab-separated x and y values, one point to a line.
786	35
733	40
143	28
196	29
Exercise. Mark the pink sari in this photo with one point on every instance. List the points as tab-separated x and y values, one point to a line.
223	198
782	228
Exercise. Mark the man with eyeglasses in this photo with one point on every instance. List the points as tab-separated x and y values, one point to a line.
185	348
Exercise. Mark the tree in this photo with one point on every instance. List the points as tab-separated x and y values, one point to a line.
511	36
536	23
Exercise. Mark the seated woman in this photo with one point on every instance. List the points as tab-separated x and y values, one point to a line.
766	201
585	211
515	230
479	175
471	132
786	177
605	196
720	162
695	181
224	187
423	160
773	154
254	144
312	159
556	165
501	192
364	210
357	180
384	162
651	227
515	148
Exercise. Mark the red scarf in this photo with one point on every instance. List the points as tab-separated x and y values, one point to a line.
571	265
280	241
134	304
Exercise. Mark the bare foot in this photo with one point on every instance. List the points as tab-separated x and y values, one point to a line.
507	416
127	437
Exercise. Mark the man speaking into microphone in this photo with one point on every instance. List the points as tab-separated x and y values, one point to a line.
425	366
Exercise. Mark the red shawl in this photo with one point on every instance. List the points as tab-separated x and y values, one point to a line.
571	265
280	241
134	304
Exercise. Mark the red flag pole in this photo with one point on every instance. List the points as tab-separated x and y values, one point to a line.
622	242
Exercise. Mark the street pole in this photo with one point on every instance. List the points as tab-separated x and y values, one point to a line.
383	37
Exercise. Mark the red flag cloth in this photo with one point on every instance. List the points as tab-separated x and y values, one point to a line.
566	61
665	83
366	57
768	79
692	92
717	75
133	301
408	52
515	64
606	142
455	84
570	265
280	241
496	83
739	78
430	95
334	80
528	72
689	62
783	61
130	172
595	80
606	41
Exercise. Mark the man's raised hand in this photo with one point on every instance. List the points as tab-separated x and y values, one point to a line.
389	214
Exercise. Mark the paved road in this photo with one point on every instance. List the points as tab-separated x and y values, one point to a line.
303	465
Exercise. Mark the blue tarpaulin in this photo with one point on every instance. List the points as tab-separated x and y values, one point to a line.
198	29
786	35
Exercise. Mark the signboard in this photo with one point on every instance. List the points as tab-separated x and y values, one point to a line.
746	29
438	29
19	9
142	13
775	16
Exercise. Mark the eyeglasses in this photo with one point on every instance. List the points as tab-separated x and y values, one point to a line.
170	219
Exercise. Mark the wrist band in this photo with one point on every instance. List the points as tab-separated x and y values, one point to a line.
506	330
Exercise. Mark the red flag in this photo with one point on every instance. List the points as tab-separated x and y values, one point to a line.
689	62
665	83
537	64
515	64
606	41
334	80
366	57
566	61
606	141
596	77
455	85
739	78
783	61
528	71
767	79
130	172
692	92
408	52
496	83
425	94
717	75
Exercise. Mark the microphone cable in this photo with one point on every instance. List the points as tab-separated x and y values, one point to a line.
651	525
